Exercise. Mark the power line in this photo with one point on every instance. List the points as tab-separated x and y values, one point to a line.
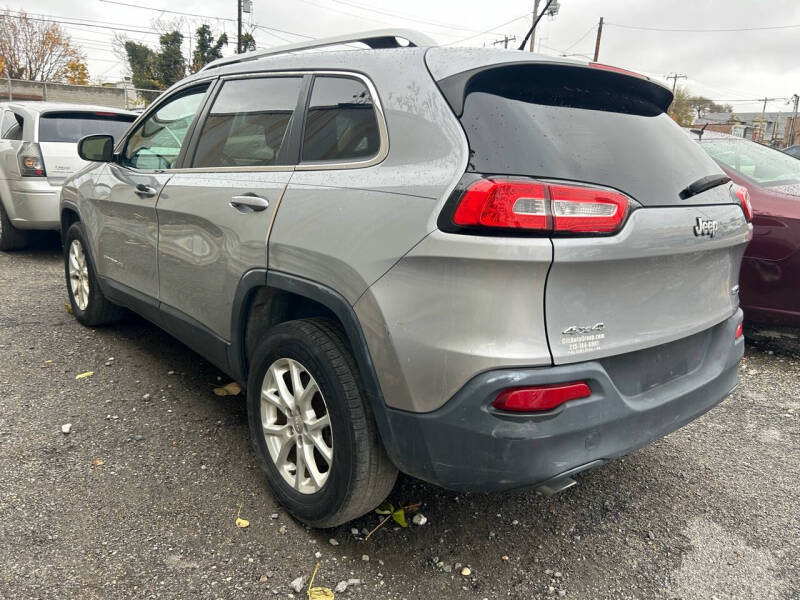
580	39
717	30
405	17
525	16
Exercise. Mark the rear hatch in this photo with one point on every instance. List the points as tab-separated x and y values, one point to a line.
59	132
663	275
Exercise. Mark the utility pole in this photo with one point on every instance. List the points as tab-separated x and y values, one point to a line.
796	99
535	16
505	41
675	77
239	27
597	42
763	116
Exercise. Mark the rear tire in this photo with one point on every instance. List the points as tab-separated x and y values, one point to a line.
11	238
359	474
89	306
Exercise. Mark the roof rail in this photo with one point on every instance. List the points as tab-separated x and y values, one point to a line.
375	39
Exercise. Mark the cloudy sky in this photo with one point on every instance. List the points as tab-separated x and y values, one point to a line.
730	50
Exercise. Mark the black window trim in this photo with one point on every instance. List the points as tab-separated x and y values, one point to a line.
211	83
289	152
18	117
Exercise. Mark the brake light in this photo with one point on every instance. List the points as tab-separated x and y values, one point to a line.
743	197
31	163
739	331
540	398
614	69
537	206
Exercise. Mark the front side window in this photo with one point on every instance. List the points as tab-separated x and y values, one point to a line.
11	128
247	123
342	124
156	142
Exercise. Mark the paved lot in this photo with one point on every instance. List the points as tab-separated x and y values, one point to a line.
712	511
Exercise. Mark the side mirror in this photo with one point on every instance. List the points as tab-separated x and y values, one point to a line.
96	148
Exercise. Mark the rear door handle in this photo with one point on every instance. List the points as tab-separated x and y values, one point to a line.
249	203
144	191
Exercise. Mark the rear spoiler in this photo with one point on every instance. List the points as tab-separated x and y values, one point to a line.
456	87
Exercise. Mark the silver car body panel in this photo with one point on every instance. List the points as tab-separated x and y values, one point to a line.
456	305
205	244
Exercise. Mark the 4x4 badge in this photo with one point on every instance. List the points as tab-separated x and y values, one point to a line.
707	227
575	330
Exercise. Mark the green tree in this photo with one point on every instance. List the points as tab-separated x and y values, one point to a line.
248	42
681	108
206	48
170	65
702	105
142	63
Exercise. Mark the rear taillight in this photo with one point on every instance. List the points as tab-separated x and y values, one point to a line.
742	196
544	207
540	398
739	331
31	163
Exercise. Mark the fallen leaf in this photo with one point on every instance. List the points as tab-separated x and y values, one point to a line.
68	308
399	517
385	509
84	375
241	523
231	389
318	593
98	462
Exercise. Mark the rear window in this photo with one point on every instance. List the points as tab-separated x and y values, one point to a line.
582	125
72	126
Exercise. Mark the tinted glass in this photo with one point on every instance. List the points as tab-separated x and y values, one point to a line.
341	124
12	126
759	163
580	125
247	123
72	126
157	141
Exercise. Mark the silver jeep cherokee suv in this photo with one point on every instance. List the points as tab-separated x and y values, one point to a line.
486	269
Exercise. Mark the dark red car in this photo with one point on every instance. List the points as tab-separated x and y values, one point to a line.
770	275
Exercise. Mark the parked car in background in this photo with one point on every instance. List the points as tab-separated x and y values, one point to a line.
38	150
771	265
487	269
793	151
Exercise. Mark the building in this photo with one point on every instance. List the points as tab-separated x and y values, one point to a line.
773	130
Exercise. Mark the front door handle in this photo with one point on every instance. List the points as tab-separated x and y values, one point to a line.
144	191
248	203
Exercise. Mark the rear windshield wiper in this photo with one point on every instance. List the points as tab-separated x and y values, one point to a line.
703	184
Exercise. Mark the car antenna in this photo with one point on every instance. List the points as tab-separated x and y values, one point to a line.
535	23
700	131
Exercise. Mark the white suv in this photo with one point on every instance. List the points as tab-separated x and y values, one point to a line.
38	150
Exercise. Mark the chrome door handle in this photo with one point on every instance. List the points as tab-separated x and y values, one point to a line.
249	203
144	191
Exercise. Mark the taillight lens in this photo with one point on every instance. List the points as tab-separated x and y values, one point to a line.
739	331
743	197
540	398
536	206
31	163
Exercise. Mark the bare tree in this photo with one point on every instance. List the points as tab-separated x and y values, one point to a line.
35	49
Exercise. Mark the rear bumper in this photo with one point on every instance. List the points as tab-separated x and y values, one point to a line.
35	205
468	446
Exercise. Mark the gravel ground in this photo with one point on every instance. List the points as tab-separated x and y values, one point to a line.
712	511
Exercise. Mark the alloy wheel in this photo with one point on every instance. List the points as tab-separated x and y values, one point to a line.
78	274
296	426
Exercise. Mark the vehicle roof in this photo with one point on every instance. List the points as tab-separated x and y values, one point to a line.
39	107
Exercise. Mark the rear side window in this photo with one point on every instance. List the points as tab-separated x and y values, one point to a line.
341	124
583	125
70	127
11	128
248	123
